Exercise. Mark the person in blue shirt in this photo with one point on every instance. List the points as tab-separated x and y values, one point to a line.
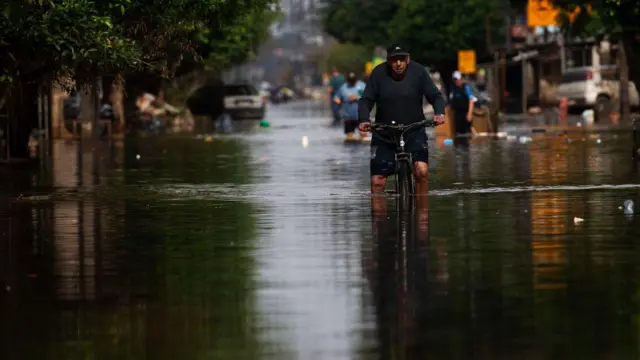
462	100
347	97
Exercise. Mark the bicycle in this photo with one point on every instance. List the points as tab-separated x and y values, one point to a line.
405	178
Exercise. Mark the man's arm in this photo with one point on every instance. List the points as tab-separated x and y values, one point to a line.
433	95
367	100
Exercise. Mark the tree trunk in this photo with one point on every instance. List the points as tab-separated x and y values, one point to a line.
4	94
113	87
20	118
487	34
631	45
624	83
89	107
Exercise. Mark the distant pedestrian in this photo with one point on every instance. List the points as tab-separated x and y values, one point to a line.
335	83
461	101
347	97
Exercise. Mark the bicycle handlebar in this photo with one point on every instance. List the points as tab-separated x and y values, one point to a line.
403	128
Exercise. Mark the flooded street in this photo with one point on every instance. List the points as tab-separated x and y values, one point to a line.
253	246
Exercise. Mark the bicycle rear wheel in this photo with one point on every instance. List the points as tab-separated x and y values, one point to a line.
404	186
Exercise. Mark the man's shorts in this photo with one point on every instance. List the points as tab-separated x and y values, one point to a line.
383	161
350	125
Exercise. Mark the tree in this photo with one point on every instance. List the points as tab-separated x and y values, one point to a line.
346	57
84	39
362	22
433	31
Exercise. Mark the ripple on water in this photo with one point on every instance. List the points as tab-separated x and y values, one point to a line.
343	189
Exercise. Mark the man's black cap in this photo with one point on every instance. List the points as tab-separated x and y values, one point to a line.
397	50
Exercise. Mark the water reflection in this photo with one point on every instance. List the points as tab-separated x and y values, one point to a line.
252	246
399	277
123	277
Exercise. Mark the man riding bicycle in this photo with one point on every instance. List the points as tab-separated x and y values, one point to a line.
397	88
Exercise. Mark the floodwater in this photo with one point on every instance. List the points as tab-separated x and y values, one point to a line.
253	246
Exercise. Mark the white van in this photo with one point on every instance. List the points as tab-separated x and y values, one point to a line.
593	87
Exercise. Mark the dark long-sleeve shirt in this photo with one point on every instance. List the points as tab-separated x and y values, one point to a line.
399	100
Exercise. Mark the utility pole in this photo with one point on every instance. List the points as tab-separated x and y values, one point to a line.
623	68
507	23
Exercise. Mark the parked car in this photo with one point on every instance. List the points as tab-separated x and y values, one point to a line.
593	87
243	101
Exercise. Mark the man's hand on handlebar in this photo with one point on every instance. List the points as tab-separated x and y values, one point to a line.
365	126
439	119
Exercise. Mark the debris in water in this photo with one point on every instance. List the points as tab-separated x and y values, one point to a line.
577	220
588	116
138	156
448	141
208	139
628	207
524	139
305	141
264	123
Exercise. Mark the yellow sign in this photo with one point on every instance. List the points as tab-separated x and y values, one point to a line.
467	61
543	13
368	68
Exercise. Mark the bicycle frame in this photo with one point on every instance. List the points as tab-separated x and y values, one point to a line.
405	184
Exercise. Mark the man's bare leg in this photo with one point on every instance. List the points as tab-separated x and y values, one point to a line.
421	172
377	183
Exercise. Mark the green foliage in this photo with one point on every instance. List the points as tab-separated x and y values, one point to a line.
68	36
610	17
239	40
434	31
346	57
86	38
360	21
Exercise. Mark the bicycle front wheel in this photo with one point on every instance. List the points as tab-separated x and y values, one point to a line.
404	186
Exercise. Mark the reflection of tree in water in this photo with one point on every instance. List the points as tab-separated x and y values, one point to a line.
201	268
186	160
155	279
